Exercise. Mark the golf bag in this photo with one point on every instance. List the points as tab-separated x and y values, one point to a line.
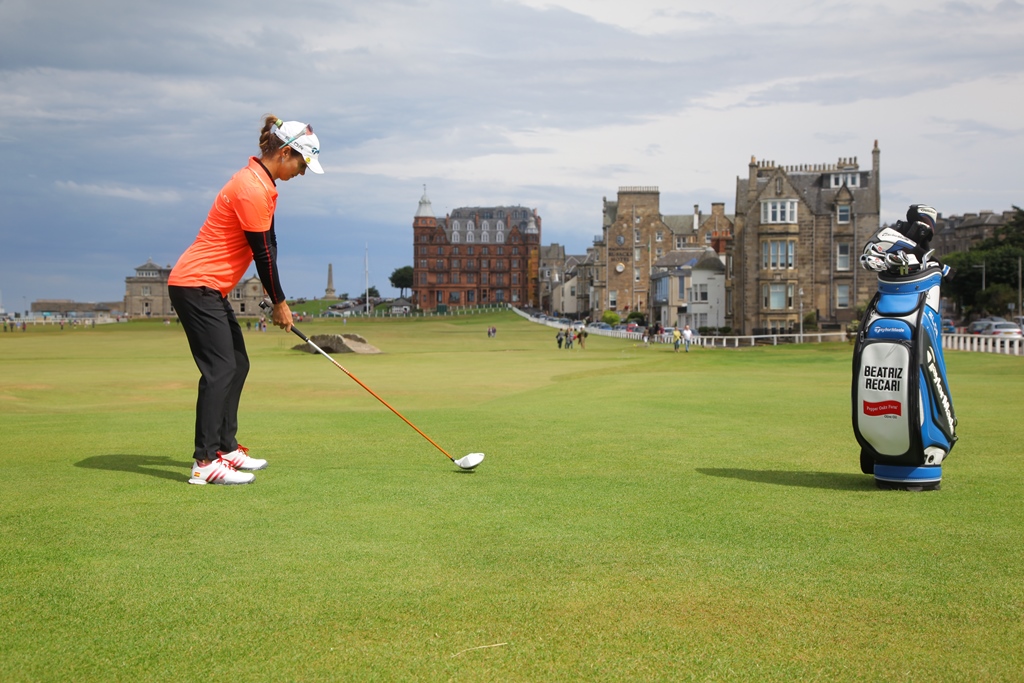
902	411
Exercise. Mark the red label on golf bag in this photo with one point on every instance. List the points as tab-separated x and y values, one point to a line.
883	408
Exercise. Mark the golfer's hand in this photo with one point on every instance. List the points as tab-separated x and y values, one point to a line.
282	316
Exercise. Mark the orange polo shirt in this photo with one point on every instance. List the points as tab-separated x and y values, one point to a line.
221	254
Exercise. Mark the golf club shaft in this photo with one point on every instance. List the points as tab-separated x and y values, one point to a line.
368	389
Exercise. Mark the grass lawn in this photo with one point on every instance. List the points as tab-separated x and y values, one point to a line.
641	515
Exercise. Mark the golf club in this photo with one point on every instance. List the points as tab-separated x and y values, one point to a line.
467	462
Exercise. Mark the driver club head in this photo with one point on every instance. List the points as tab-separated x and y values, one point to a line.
468	462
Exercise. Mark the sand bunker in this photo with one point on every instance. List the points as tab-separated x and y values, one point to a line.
338	343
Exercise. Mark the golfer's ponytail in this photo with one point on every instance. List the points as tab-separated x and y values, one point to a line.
268	141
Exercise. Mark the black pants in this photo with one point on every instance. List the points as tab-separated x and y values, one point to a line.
219	351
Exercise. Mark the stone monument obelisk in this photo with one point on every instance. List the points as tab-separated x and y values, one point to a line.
329	292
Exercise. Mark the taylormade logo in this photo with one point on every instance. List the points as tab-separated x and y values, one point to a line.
878	329
933	370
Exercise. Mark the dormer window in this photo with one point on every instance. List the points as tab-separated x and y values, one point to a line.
851	179
843	213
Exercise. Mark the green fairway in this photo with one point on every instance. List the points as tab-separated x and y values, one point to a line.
640	515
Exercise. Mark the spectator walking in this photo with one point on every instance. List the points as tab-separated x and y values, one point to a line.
687	337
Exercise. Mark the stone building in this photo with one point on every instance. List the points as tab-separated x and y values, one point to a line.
146	294
552	273
797	237
960	233
635	237
476	255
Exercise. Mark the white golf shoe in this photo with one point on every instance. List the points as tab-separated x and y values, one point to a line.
218	472
239	459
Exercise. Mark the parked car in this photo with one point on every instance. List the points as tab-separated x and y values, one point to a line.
599	326
977	325
948	327
1002	330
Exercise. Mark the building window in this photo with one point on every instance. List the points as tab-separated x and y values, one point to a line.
501	237
778	254
440	251
145	291
789	296
470	238
636	235
455	237
515	263
843	256
636	254
842	296
702	292
423	278
774	296
423	263
455	225
657	236
843	213
485	237
423	251
470	296
469	250
681	292
613	299
485	225
455	278
778	211
680	242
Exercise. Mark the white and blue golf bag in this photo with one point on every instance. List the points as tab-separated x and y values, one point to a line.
902	411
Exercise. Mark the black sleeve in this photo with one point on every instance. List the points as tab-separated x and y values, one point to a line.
264	254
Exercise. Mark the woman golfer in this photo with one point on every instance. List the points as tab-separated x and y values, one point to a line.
238	230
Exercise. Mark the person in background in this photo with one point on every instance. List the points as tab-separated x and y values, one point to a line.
687	337
239	230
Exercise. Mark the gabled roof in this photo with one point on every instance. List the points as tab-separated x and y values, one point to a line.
679	258
710	261
814	187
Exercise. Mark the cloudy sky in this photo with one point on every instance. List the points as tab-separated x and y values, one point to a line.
122	118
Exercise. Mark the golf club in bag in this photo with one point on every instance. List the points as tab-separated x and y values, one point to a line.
902	412
467	462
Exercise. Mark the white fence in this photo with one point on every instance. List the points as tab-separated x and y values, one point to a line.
709	341
982	343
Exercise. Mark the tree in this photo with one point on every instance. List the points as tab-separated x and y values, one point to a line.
372	292
401	279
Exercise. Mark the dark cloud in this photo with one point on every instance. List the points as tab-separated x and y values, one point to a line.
127	116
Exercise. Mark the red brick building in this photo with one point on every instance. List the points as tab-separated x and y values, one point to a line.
476	255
